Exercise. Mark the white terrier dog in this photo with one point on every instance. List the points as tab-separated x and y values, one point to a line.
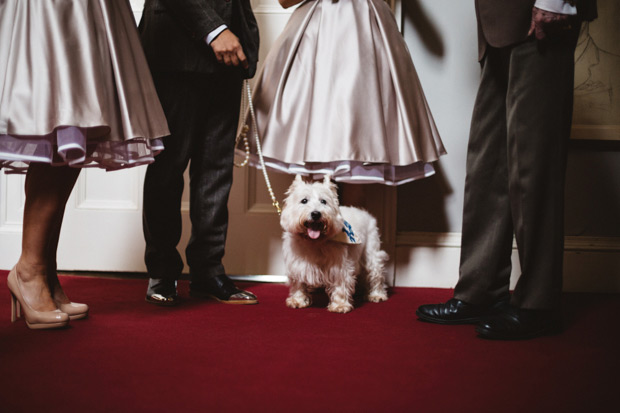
329	246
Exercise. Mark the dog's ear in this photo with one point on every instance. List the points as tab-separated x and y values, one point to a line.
327	181
296	182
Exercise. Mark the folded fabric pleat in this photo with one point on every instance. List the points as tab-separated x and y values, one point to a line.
75	87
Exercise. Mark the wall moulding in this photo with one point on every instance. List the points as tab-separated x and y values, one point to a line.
427	259
453	240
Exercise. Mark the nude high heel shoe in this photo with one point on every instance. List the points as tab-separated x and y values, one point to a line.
76	311
34	319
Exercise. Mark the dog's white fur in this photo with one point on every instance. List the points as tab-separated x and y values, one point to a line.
314	259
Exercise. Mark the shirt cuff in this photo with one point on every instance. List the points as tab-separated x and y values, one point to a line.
556	6
211	36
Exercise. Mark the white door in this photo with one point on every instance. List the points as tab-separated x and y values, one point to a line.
254	237
102	230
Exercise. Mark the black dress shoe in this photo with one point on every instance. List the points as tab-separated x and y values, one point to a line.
457	312
162	292
222	289
517	324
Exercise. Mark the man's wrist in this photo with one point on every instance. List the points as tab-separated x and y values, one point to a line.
556	6
211	36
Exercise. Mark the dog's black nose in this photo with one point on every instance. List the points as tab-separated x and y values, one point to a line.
316	215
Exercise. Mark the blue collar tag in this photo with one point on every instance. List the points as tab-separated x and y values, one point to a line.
347	236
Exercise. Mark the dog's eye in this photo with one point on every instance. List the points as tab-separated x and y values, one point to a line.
324	202
304	201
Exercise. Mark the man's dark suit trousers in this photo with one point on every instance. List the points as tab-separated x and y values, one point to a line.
202	113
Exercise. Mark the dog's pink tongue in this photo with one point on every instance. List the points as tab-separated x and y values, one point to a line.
314	234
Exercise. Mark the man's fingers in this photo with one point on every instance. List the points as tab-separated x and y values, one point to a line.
242	59
546	23
234	60
228	50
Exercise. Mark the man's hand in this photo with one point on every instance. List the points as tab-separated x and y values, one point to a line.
228	50
545	23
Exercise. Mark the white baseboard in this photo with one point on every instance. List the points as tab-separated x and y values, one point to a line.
281	279
423	259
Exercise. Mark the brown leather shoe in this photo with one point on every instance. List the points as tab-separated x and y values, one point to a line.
222	289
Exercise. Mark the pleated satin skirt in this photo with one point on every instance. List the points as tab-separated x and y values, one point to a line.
75	87
338	93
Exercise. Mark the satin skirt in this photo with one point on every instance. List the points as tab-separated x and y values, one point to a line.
338	94
75	88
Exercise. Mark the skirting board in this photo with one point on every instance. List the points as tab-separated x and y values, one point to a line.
422	259
260	278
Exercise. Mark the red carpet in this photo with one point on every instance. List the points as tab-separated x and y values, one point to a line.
204	356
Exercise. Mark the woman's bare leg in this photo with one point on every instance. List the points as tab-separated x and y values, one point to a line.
47	191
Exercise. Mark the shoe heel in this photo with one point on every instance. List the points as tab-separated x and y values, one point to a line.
15	309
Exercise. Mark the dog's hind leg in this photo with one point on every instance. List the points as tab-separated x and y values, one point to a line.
298	296
375	268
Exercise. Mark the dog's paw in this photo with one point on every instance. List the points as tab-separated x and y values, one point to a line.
377	296
339	307
298	301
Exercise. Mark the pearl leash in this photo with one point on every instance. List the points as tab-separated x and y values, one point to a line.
247	104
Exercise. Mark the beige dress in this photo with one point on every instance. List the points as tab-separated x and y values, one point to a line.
75	87
338	94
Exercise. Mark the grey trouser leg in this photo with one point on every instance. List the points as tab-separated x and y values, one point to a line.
516	164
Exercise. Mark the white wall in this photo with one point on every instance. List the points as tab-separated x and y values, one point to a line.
441	35
137	6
